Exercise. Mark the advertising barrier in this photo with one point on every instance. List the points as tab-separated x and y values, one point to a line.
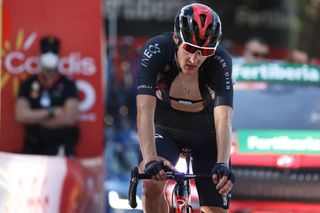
79	26
40	184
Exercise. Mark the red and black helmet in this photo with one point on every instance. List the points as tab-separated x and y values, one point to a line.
199	25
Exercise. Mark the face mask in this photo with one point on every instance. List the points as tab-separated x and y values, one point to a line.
49	60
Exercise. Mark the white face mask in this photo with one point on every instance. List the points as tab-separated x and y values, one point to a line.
49	60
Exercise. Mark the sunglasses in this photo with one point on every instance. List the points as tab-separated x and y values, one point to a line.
192	49
260	55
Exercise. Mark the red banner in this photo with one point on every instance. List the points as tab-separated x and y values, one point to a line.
79	25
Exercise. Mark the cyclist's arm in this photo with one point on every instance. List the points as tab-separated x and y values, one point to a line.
145	122
155	55
222	120
223	102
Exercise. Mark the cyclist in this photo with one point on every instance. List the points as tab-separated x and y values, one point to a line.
185	99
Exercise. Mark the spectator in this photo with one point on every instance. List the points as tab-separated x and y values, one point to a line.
47	105
298	56
256	50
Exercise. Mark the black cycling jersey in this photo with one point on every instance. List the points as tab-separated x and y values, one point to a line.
158	69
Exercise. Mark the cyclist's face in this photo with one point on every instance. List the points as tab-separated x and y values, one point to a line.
189	62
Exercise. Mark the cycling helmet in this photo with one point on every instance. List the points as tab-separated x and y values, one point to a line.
199	25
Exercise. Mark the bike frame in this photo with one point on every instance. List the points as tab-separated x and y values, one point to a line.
181	198
182	190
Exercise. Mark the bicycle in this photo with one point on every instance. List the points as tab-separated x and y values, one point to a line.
180	201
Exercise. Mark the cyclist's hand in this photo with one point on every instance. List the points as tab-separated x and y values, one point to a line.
158	169
223	177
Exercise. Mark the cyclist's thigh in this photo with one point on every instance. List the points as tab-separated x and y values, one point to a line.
210	209
166	150
165	146
203	161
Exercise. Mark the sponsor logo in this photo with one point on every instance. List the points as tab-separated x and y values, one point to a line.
284	143
145	10
279	141
89	95
158	136
285	161
271	18
17	63
227	76
151	50
144	86
228	80
277	72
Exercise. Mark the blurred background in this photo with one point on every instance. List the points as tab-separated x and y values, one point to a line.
102	42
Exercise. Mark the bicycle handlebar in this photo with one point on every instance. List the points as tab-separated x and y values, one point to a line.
134	179
136	176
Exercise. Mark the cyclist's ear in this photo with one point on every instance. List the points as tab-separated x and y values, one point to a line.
176	39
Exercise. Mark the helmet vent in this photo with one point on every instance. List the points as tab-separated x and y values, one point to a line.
203	20
185	22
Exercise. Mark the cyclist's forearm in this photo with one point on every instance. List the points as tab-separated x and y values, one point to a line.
145	123
223	117
146	138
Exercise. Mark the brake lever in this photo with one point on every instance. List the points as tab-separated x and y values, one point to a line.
134	180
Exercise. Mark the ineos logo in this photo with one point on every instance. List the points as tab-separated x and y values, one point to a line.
228	79
149	52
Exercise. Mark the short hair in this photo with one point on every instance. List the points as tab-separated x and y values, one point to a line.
258	39
50	44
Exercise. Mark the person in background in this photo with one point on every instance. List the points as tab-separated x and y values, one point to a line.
47	105
298	56
256	50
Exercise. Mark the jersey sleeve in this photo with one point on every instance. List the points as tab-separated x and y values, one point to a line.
151	62
222	75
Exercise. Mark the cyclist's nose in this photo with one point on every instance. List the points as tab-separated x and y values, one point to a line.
195	57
